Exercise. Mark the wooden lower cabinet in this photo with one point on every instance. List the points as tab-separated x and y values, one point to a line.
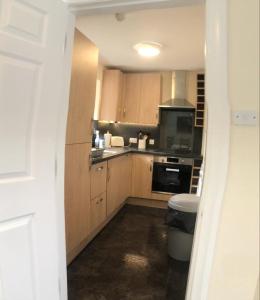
142	176
118	181
98	179
98	211
77	195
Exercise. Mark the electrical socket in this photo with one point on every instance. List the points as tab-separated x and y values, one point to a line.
151	141
133	140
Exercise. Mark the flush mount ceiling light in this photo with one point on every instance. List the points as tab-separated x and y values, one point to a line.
148	49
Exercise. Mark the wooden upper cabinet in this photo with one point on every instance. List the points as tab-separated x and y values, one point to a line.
150	98
142	93
82	90
111	95
142	176
131	98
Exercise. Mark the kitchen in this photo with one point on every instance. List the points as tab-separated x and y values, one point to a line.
148	120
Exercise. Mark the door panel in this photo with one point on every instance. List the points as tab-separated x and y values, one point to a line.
98	211
17	126
150	98
77	194
142	175
113	186
98	179
17	250
32	34
131	99
126	173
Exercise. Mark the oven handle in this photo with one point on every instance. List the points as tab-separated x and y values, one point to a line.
172	170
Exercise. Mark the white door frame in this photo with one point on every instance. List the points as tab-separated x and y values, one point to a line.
218	131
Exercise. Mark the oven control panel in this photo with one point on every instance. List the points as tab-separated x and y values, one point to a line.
173	160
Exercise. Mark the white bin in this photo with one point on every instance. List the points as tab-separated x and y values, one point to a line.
179	241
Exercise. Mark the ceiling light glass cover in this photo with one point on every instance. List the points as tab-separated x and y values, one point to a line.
148	49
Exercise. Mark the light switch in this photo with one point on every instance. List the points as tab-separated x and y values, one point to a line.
247	118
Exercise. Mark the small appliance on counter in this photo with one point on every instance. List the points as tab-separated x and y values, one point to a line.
142	140
117	141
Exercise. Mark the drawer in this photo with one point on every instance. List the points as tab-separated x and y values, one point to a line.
98	211
98	179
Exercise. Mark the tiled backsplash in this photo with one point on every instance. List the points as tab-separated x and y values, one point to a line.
132	130
128	131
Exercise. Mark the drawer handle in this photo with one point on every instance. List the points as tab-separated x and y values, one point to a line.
97	202
101	199
172	170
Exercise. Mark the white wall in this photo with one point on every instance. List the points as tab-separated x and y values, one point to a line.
236	262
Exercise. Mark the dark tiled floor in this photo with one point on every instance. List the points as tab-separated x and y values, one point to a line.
128	261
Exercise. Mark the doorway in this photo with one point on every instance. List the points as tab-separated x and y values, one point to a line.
101	233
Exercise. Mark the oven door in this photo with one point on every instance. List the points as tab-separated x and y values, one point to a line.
171	178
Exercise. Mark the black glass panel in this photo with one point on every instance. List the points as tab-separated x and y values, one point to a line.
171	178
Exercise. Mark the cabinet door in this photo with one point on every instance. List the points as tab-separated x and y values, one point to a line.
97	211
114	182
98	179
150	98
131	98
82	90
142	175
111	95
126	175
77	194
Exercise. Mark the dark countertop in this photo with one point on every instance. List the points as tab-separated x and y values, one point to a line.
118	151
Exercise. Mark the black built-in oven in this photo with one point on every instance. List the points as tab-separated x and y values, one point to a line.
171	175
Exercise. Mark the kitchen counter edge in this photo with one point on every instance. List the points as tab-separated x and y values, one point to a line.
124	151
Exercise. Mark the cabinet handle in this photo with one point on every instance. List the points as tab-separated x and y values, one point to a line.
100	168
101	199
97	202
89	161
124	112
151	166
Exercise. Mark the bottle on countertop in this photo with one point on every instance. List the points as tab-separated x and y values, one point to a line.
107	138
97	139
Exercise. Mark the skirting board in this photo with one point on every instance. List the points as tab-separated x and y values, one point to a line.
147	202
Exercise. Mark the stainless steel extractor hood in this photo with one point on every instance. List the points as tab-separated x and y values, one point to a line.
177	88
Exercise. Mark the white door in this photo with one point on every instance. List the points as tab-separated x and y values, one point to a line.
32	34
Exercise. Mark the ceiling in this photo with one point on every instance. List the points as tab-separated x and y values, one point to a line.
180	30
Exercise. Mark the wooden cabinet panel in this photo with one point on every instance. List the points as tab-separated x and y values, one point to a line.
111	95
142	175
150	98
82	90
119	181
113	184
141	97
131	98
126	174
98	211
98	179
77	194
